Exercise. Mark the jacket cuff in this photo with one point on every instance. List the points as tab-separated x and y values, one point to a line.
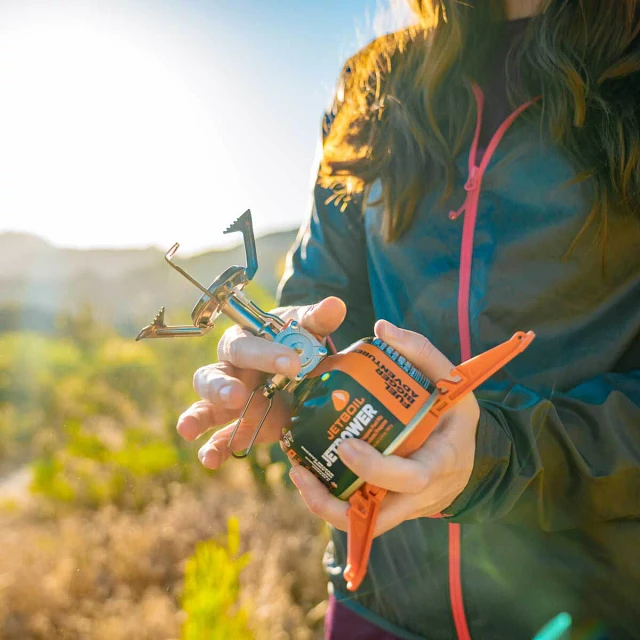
490	448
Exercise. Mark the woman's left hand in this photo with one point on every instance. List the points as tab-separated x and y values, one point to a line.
423	484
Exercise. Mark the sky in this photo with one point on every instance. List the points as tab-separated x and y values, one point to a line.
132	123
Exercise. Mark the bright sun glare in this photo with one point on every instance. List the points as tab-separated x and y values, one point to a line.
98	133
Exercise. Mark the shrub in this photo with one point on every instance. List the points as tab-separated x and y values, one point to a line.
211	589
129	467
113	574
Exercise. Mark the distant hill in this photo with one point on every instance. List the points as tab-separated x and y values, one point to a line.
39	281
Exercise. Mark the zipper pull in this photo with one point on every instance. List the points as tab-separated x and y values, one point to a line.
471	184
472	181
454	215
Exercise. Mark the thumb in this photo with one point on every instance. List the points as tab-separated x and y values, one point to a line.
324	317
415	348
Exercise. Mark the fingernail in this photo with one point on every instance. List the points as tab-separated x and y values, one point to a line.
284	363
205	456
201	382
296	477
188	425
391	330
225	393
351	449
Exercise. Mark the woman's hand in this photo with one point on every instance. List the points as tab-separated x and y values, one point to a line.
244	362
423	484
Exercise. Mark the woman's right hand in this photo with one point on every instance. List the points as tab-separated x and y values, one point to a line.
244	362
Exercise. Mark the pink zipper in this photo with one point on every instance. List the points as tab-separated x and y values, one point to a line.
474	176
470	209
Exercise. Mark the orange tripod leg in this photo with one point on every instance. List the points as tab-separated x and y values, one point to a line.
367	501
363	515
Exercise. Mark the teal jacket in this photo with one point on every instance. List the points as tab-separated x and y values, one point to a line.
550	520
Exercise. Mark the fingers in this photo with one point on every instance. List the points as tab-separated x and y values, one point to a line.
318	498
246	351
213	454
416	348
325	317
201	417
222	396
430	361
389	472
216	451
219	384
396	508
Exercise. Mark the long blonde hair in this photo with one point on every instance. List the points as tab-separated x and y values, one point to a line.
406	108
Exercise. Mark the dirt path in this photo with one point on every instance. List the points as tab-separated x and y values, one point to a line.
15	485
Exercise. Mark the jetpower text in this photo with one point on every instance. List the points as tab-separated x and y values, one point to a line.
352	429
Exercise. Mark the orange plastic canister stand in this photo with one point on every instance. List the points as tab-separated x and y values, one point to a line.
366	502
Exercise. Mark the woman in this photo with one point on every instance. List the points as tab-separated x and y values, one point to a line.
481	175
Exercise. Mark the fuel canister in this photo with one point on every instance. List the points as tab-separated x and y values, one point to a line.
368	391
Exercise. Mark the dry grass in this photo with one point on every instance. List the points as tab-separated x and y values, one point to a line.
114	574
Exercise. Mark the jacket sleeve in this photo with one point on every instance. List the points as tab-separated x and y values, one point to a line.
329	258
560	462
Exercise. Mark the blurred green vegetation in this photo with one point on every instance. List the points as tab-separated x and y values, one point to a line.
95	412
211	589
128	468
